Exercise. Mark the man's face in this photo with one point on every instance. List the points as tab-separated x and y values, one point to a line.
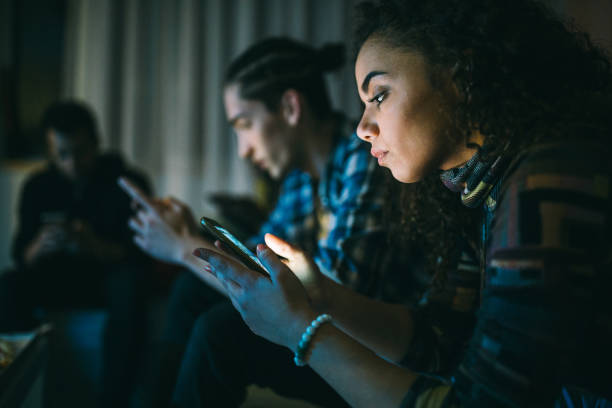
262	135
73	154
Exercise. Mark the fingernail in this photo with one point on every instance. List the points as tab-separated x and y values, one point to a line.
261	247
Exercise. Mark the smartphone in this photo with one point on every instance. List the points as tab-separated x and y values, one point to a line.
240	250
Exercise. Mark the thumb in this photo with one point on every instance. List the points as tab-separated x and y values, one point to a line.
281	247
271	261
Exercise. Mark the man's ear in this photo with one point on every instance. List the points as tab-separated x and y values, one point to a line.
291	106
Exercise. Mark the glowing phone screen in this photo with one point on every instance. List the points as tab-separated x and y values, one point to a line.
239	244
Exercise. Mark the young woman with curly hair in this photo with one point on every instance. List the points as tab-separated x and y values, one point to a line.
510	108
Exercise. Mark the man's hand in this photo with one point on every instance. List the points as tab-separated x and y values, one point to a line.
176	214
51	238
163	228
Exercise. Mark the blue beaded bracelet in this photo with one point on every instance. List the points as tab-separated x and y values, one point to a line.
304	343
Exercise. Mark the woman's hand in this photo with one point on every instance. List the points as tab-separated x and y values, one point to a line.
276	307
307	271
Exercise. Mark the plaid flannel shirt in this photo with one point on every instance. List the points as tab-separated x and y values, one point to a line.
338	219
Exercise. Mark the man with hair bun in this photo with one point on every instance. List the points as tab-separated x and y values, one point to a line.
278	105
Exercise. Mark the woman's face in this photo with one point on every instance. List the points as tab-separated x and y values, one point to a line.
263	136
404	117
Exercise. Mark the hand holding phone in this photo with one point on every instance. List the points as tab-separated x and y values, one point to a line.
164	229
238	248
51	238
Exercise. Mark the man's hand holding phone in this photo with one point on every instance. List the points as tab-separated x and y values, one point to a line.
51	238
163	228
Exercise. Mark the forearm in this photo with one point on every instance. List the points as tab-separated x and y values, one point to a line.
384	328
361	377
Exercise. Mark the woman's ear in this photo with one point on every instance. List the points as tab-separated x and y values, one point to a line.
291	106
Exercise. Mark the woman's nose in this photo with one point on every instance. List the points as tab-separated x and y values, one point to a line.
367	128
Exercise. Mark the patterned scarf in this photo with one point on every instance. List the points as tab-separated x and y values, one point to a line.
477	177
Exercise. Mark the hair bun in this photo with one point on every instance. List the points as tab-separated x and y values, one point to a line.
331	56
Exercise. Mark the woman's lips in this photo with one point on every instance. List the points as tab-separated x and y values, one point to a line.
379	154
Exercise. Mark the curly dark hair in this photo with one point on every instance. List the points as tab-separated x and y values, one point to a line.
428	217
523	74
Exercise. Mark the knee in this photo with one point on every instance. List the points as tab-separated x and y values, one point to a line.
209	372
126	293
212	343
206	332
218	333
196	358
9	296
185	290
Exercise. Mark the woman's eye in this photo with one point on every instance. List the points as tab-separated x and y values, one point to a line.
379	98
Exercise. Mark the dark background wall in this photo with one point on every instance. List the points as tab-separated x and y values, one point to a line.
151	70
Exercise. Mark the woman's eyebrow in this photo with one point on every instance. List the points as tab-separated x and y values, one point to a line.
366	81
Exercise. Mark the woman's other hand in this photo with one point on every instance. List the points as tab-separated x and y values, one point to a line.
275	307
307	271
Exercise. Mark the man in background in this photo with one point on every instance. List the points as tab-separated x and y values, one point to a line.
276	101
73	248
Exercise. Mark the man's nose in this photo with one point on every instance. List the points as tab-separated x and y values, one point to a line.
244	148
